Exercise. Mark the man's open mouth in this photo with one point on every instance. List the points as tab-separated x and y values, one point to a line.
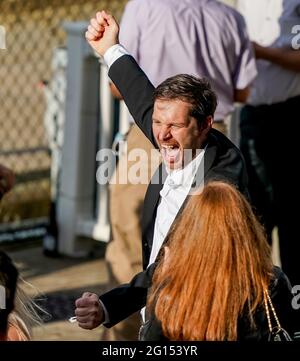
170	153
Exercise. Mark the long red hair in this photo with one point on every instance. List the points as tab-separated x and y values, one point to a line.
218	266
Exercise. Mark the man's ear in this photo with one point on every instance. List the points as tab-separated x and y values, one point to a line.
207	125
210	121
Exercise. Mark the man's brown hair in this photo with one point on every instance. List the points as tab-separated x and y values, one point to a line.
192	90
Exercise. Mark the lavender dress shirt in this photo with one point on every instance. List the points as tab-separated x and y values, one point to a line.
204	38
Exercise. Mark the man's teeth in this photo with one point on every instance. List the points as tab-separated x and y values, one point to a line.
169	146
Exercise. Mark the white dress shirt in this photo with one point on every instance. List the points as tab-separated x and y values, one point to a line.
175	190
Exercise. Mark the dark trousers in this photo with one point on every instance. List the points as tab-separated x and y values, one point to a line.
270	143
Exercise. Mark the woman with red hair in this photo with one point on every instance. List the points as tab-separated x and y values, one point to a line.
217	277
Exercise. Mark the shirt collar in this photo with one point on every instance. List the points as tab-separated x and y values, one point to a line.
184	177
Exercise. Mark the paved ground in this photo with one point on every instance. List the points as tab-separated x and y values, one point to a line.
60	281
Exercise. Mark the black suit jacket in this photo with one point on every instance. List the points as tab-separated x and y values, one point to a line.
222	161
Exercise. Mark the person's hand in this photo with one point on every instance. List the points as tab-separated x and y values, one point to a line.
89	311
7	180
102	33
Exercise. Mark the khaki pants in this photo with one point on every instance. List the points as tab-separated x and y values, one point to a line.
124	252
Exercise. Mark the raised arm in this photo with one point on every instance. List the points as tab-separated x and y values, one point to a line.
136	90
131	81
286	58
119	303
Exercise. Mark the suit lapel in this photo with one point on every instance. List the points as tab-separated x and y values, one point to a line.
210	154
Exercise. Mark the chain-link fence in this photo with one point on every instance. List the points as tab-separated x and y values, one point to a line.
33	29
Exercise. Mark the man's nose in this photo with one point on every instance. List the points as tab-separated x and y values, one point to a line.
164	133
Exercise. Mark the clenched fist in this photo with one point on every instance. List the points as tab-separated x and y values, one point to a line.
102	33
89	311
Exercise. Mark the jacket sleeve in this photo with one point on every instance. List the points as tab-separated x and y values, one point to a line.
136	90
128	298
282	298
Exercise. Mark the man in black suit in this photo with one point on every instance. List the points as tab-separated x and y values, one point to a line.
177	118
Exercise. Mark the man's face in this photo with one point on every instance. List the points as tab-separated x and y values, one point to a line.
175	131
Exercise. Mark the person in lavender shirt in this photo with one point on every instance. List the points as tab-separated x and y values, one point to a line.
204	38
270	123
